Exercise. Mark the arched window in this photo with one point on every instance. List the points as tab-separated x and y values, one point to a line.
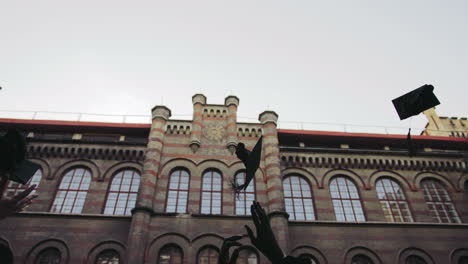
393	201
346	201
170	254
72	191
177	193
122	193
6	256
439	202
49	256
312	259
463	260
208	255
361	259
247	256
212	189
413	259
298	198
108	256
15	188
245	198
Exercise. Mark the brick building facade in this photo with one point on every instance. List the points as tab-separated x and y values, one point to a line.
160	193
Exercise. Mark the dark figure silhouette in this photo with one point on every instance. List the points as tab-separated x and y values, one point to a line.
251	160
265	241
224	253
16	204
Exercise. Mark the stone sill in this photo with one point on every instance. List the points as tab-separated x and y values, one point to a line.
377	223
59	215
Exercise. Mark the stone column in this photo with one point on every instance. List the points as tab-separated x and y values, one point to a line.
198	100
277	213
141	214
232	102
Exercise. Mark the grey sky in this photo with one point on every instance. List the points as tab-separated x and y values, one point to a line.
337	62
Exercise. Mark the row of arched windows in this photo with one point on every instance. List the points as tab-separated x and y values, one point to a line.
298	198
347	203
211	192
173	254
74	186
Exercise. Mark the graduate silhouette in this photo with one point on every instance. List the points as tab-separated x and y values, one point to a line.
251	160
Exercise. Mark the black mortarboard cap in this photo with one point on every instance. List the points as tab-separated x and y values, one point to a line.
415	101
24	171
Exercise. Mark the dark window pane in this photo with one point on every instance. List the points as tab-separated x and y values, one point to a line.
108	257
415	260
49	256
361	259
170	255
208	255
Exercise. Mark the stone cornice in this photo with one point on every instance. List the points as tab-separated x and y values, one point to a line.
344	160
78	151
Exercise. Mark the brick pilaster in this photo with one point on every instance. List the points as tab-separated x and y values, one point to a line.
232	102
141	215
278	215
198	100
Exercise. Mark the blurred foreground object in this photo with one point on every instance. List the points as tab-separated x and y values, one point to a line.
415	102
12	158
266	241
251	160
17	203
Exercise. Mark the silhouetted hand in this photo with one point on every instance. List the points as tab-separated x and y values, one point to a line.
17	203
265	240
224	254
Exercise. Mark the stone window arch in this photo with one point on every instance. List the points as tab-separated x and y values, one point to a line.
298	199
177	191
208	255
122	192
72	191
346	200
439	202
108	256
211	192
459	256
414	256
246	197
393	201
15	188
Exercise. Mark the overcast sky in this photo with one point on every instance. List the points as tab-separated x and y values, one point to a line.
333	62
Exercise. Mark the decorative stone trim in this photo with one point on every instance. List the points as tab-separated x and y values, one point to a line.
245	130
389	163
362	251
74	151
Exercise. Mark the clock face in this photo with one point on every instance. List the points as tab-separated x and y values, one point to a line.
214	132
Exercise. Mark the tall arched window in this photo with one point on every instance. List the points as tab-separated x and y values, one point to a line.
108	256
15	188
245	198
170	254
212	189
49	256
208	255
298	198
439	202
361	259
247	256
413	259
72	191
177	193
346	201
122	193
393	201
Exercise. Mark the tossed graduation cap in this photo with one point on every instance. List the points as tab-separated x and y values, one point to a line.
12	158
251	160
415	102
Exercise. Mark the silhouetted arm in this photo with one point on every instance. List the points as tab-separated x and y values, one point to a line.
17	203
